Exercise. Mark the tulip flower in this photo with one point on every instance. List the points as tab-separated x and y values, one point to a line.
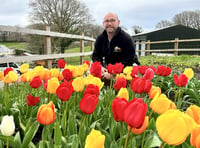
180	80
7	70
143	69
95	139
95	69
194	112
7	126
135	71
139	85
189	73
135	112
91	89
52	85
54	72
174	126
67	74
46	114
195	137
35	82
120	82
153	91
88	103
64	91
78	84
24	68
1	76
123	93
31	100
11	77
115	69
161	104
90	79
149	74
163	71
118	106
142	128
61	63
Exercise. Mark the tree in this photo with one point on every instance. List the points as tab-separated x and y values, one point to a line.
188	18
137	29
164	23
64	16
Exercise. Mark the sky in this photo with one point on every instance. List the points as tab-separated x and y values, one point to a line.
143	13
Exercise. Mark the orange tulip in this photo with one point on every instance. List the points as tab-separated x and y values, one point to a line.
46	114
194	112
1	76
195	137
142	128
11	77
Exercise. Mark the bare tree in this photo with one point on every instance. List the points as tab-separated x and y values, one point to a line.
164	23
137	29
65	16
188	18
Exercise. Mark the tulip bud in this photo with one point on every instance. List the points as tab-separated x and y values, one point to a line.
7	126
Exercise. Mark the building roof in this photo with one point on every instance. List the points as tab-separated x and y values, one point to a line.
168	33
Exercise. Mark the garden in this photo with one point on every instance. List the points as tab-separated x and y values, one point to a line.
72	107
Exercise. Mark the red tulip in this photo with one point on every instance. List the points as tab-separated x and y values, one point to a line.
143	69
115	69
32	101
118	106
35	82
163	71
91	89
139	85
180	80
149	74
135	113
64	91
88	103
61	63
67	74
95	69
87	62
135	70
120	82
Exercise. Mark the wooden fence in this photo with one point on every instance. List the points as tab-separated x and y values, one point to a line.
48	56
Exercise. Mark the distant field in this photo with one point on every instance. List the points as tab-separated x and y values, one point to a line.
14	45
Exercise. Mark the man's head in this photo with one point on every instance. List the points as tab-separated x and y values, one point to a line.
111	22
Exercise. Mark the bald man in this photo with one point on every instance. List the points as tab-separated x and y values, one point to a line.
114	45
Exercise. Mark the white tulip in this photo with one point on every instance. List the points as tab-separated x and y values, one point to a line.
7	126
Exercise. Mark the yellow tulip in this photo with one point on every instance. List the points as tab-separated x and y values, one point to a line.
11	77
52	85
95	139
153	91
24	68
78	84
161	103
90	79
123	93
1	75
127	70
174	126
85	67
54	72
189	73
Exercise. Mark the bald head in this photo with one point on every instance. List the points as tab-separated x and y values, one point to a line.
110	14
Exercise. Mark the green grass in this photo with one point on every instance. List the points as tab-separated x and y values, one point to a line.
14	45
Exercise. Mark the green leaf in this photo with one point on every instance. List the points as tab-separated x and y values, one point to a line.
152	141
10	138
57	134
17	141
30	134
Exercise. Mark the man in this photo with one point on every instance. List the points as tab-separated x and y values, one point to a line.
113	45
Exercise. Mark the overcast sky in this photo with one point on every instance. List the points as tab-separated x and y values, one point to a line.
144	13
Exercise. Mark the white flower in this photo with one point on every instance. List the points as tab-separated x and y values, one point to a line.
7	126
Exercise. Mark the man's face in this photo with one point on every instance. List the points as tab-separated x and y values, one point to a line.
110	23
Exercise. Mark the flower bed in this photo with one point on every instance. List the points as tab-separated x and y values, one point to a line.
141	106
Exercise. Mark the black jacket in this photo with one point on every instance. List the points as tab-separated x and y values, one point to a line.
120	49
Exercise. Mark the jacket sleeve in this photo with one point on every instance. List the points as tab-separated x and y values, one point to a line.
97	53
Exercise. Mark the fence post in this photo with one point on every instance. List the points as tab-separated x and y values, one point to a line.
47	47
81	48
148	47
91	45
176	47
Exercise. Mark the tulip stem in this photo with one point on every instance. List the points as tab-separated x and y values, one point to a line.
121	132
126	143
44	135
7	145
162	144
